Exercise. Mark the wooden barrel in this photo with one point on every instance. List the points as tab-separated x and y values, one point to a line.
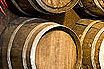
91	33
38	44
44	6
92	7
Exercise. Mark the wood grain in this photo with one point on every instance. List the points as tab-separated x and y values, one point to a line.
23	34
33	7
90	7
56	50
91	43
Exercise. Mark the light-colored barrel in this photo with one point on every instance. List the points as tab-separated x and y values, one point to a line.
44	6
39	44
91	33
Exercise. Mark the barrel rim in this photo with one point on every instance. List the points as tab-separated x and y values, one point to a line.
63	28
58	10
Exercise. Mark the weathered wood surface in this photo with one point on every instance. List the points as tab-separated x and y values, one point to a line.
4	20
57	48
33	7
70	18
90	7
67	19
91	34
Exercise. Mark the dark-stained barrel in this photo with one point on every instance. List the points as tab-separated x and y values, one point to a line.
33	43
91	34
94	8
30	7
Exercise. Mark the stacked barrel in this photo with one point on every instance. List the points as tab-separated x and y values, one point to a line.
37	43
91	34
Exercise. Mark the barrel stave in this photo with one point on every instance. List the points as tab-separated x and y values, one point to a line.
8	31
87	44
17	47
11	27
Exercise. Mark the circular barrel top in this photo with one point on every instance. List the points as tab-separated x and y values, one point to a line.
56	50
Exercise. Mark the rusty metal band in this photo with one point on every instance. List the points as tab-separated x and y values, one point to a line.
87	29
25	47
19	8
98	5
93	47
11	41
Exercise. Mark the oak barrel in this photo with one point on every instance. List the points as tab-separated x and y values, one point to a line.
92	7
29	7
33	43
91	33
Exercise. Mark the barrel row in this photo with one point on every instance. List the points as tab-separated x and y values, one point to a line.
39	44
31	7
91	34
33	43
